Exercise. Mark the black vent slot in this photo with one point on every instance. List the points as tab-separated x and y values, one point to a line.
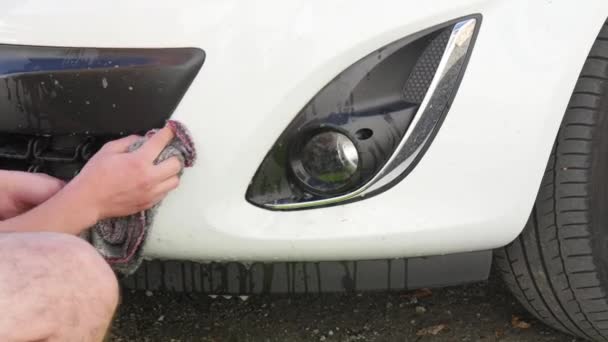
61	156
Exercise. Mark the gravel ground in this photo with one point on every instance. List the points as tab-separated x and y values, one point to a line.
478	312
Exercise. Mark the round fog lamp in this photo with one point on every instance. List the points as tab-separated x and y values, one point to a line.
326	162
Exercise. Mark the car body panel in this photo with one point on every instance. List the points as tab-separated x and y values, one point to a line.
473	189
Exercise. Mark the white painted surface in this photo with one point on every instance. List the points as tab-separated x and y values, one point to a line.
472	190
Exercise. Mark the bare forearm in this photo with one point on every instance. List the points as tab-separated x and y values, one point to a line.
114	183
66	212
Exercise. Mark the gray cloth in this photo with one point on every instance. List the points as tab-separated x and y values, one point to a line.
120	240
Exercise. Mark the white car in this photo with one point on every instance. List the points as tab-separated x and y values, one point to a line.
343	145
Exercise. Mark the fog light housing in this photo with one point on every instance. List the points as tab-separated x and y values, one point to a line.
387	107
326	163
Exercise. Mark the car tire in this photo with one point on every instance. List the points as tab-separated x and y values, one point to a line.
558	267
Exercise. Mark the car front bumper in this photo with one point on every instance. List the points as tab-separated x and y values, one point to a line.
472	190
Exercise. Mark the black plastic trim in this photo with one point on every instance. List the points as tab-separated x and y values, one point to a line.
311	277
96	91
439	123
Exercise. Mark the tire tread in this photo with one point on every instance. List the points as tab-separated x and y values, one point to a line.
550	267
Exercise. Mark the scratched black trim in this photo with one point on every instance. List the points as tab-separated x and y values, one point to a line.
92	91
311	277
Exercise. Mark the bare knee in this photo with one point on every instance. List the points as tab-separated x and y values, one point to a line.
58	280
72	260
84	265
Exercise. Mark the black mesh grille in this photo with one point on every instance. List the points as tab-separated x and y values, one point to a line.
420	79
59	156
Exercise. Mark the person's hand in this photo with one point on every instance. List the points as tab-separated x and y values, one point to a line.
118	183
21	191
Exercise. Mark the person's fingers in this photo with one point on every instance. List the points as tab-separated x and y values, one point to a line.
166	169
122	144
153	146
165	186
157	199
160	193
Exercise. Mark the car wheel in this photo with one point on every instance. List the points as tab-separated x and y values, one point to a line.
558	266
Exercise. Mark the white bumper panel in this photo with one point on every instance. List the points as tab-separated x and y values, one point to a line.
472	190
